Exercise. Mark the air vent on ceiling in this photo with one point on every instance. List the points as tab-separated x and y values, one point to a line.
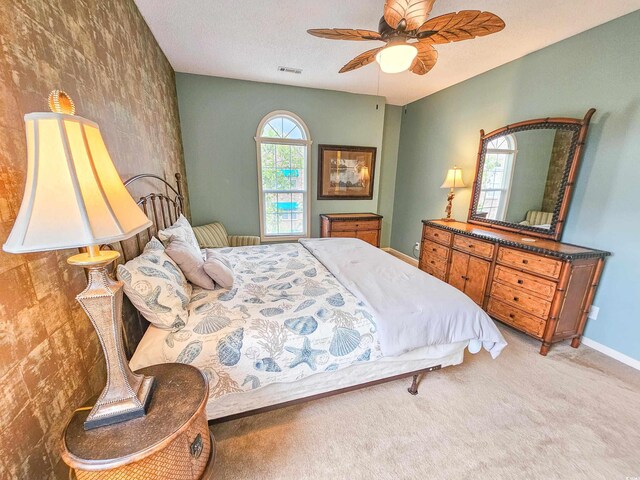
297	71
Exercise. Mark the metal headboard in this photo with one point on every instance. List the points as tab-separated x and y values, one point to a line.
163	208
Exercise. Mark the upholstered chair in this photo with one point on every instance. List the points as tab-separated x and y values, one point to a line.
536	217
214	235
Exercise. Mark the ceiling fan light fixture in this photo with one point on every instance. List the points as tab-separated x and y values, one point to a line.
396	58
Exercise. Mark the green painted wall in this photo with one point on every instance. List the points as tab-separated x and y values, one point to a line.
599	68
390	145
219	119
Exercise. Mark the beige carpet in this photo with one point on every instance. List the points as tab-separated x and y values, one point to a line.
574	414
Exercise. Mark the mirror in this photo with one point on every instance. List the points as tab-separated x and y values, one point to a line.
525	174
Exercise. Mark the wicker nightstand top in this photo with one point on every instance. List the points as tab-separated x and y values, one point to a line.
180	392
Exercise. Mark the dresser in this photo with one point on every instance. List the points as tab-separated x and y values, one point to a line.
365	226
541	287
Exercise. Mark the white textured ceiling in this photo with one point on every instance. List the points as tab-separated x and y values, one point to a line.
249	40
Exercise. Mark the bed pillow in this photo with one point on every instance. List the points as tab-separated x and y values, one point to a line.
190	262
182	229
156	287
218	268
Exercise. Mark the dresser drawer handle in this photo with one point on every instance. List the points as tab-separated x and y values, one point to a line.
525	262
196	448
470	246
432	262
436	235
511	315
516	299
434	249
520	281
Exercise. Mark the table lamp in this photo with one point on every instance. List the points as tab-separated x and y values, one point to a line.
453	181
74	198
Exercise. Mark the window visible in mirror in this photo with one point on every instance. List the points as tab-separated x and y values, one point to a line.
497	178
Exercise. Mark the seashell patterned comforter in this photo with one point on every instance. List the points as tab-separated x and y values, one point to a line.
285	318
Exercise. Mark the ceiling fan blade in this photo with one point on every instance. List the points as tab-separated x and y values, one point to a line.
414	12
345	34
464	25
426	59
361	60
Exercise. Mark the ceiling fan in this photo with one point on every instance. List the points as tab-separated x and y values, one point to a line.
405	21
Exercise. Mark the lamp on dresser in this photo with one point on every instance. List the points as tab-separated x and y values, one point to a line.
74	198
453	181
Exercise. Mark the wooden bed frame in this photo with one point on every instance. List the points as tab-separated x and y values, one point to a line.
163	207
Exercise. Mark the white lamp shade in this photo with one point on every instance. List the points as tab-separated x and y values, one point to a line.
73	195
454	179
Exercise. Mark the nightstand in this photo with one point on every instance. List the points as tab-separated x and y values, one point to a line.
172	442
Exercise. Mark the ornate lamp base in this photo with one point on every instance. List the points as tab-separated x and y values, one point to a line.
126	395
449	207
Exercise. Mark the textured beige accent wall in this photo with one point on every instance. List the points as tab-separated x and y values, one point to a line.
102	53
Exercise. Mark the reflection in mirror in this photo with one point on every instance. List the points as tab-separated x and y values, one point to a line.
521	179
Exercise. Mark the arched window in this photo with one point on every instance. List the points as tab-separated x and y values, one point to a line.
283	143
496	177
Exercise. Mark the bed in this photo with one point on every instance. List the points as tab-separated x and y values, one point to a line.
307	320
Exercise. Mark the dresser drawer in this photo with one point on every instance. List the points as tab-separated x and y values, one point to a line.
536	286
474	247
530	262
515	317
439	274
431	249
343	234
436	263
437	235
520	298
355	225
369	236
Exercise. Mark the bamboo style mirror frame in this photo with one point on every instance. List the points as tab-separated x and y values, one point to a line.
525	175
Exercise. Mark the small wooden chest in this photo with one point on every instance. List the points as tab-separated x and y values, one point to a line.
172	442
365	226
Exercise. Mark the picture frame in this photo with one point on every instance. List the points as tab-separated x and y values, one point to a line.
346	172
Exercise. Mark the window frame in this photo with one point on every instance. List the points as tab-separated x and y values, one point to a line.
306	142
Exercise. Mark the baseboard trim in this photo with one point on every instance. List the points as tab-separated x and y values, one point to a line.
404	257
610	352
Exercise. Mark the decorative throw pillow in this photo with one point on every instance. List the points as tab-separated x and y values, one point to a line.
190	262
218	268
154	244
182	229
156	287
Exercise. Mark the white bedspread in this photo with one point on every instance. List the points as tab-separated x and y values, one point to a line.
412	309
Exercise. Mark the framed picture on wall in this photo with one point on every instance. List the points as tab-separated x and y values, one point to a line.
346	173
